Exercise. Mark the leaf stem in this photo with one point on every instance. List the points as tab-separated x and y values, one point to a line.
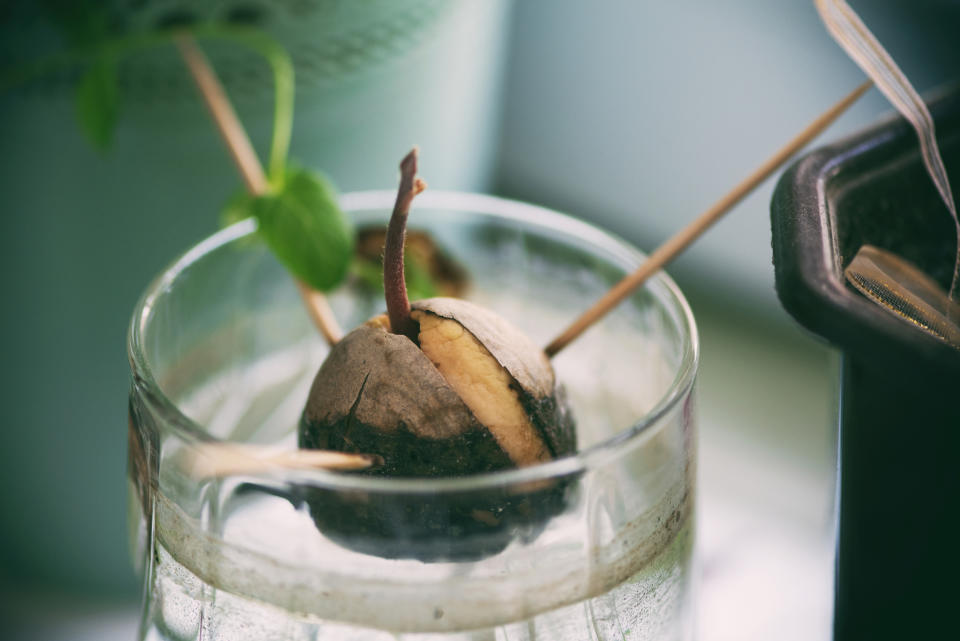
283	86
394	282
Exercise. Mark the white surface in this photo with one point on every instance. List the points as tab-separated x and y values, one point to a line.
766	567
767	482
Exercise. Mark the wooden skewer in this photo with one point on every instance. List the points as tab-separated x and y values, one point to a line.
320	313
214	460
680	241
243	154
215	97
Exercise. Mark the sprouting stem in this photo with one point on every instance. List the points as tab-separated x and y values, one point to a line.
394	283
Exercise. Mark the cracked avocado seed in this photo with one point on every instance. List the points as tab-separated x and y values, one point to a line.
475	396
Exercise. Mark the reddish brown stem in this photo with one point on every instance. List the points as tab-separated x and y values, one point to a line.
394	282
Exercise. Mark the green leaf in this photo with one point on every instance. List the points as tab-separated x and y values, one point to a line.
305	228
98	102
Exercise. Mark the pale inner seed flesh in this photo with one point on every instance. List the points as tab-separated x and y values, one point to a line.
483	385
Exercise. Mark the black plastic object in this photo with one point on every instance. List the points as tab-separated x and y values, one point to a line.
898	548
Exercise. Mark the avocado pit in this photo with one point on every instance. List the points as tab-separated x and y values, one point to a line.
438	388
380	393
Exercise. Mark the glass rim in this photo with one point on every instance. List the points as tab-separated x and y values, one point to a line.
190	432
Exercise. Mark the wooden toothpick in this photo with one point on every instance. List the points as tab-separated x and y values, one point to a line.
320	313
245	157
680	241
214	460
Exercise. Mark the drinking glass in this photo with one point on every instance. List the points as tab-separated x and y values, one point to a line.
597	545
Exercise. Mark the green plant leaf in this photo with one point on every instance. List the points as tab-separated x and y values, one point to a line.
98	102
305	228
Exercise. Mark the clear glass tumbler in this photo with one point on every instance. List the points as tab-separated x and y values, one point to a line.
222	350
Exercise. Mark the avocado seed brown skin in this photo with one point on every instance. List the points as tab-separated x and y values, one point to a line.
380	393
377	392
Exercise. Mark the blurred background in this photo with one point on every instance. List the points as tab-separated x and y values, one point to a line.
633	115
